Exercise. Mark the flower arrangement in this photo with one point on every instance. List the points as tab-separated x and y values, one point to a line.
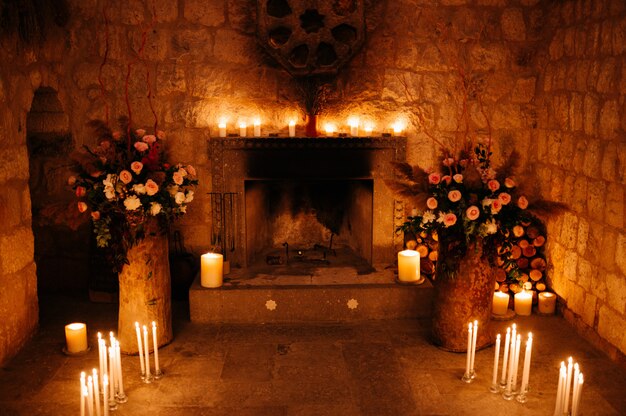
124	184
468	202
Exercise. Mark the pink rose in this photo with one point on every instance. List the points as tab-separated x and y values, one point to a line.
191	170
71	180
472	213
431	203
505	198
522	202
454	195
126	176
458	178
136	167
182	172
140	132
448	161
493	185
149	138
178	178
95	215
80	191
449	219
96	174
160	134
151	187
496	206
447	179
82	207
141	146
509	183
434	178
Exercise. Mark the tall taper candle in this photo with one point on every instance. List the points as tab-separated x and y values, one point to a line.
474	336
96	390
83	399
147	351
518	345
89	396
576	400
105	361
111	376
526	370
468	361
140	347
100	352
558	407
105	389
496	358
505	357
157	370
121	396
568	384
575	385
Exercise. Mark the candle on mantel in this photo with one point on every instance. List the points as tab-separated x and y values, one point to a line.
292	128
211	270
329	129
76	337
96	390
408	266
397	128
353	122
523	303
243	129
369	128
257	127
547	303
222	127
500	303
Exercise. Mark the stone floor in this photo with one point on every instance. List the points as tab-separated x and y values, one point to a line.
371	368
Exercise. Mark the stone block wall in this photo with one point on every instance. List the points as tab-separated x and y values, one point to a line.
580	153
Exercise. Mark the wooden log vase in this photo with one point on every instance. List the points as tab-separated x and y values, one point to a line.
145	292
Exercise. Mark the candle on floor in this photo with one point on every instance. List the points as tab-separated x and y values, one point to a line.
105	389
575	385
121	396
576	399
243	129
408	266
83	399
467	377
496	358
96	389
500	303
211	270
89	396
292	128
111	376
505	357
76	337
474	337
568	384
257	127
140	349
518	344
105	360
100	356
157	370
547	303
523	303
147	352
558	407
526	369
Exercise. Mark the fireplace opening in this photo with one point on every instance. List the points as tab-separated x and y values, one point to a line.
294	226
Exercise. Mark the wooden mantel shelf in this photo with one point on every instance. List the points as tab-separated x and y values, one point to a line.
322	142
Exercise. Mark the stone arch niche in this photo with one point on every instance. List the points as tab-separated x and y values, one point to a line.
61	254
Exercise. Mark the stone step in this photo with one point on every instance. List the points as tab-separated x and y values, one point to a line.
328	295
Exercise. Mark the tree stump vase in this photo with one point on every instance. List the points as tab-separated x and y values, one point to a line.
145	293
462	297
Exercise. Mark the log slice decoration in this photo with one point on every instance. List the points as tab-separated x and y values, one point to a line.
311	37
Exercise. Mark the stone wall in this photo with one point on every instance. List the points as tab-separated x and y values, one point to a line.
580	153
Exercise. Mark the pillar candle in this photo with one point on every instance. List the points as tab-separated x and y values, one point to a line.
105	389
243	129
211	270
76	337
505	357
257	127
500	303
292	128
90	396
146	350
222	127
156	349
96	390
140	348
408	266
474	336
469	349
526	369
496	358
523	303
547	302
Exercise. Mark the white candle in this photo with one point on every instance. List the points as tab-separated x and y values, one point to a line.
500	303
100	352
156	349
526	370
397	128
243	129
368	127
523	303
575	385
76	337
105	359
118	362
469	349
496	358
83	399
558	407
89	396
211	270
568	384
257	127
408	266
222	127
147	350
509	385
292	128
474	337
518	344
354	126
140	348
547	303
105	389
96	389
329	128
576	400
505	357
111	374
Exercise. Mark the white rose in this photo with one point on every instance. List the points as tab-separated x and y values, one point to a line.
139	189
132	203
109	192
155	208
428	217
173	190
179	197
189	197
183	209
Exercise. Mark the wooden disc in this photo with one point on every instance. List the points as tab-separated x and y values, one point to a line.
539	241
516	252
536	275
529	251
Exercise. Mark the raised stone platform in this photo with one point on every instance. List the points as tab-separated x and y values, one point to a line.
326	295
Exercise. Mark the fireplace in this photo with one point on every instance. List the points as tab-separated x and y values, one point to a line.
293	204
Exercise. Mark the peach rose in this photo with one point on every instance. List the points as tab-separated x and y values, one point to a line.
149	138
136	167
505	198
179	198
522	202
496	206
151	187
82	207
141	146
454	195
458	178
191	170
140	132
448	161
126	176
434	178
71	180
431	203
178	178
95	215
160	134
493	185
509	183
155	208
472	213
449	219
80	191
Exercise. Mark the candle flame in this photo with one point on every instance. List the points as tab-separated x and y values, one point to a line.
498	337
153	323
242	125
292	123
257	121
398	126
329	128
353	121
